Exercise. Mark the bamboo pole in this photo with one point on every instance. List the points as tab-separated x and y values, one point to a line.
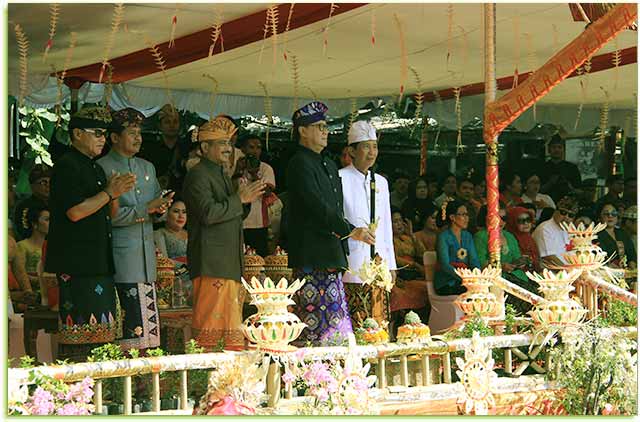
491	158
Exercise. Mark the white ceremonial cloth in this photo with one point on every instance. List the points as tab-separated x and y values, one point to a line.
356	192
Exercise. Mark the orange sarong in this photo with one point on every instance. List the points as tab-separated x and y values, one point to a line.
217	313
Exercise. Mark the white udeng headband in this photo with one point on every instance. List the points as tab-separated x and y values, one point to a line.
361	131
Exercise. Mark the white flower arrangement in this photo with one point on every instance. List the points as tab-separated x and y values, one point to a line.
376	272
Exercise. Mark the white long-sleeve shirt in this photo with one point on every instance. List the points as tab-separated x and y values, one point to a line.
356	192
551	239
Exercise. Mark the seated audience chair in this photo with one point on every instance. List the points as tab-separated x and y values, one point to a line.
444	313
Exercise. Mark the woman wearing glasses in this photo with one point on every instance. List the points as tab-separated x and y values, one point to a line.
612	240
455	248
512	261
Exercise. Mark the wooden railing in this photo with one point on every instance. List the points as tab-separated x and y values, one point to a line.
432	362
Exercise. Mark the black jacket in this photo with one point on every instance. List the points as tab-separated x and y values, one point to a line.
83	248
315	221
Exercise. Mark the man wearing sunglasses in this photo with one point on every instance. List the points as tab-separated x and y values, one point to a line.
82	203
551	239
316	227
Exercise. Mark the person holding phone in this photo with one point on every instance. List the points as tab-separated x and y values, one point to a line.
133	245
84	199
251	169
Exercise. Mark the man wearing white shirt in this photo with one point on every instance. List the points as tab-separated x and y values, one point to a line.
356	189
256	224
551	239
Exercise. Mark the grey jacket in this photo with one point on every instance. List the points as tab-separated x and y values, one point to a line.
133	245
215	214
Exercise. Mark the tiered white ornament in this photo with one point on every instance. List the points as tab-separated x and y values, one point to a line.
478	299
558	309
273	327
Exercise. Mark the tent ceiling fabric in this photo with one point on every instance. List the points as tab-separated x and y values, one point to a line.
352	66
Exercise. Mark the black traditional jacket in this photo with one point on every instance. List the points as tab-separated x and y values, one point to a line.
83	248
315	220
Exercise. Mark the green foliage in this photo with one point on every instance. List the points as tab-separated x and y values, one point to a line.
620	314
596	370
509	319
156	352
36	126
134	353
192	347
27	362
198	378
112	388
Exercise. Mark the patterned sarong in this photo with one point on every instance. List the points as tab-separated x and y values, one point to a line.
217	313
321	304
141	322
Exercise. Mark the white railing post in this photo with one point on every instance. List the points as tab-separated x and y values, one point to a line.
97	396
446	367
127	396
426	373
155	397
184	392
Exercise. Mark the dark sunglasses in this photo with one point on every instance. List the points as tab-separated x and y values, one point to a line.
524	220
98	133
566	213
610	214
503	218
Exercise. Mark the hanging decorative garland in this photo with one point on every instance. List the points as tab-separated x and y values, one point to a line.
616	59
295	76
60	78
325	32
583	96
449	32
604	121
439	114
174	23
458	109
270	25
23	49
214	93
216	31
286	32
404	57
54	12
419	99
160	64
108	89
118	14
531	56
373	27
268	110
516	38
353	115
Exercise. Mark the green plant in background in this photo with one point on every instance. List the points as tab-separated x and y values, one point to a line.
198	378
598	372
509	319
27	362
112	388
620	314
37	126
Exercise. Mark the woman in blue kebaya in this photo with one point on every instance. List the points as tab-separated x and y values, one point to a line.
455	249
